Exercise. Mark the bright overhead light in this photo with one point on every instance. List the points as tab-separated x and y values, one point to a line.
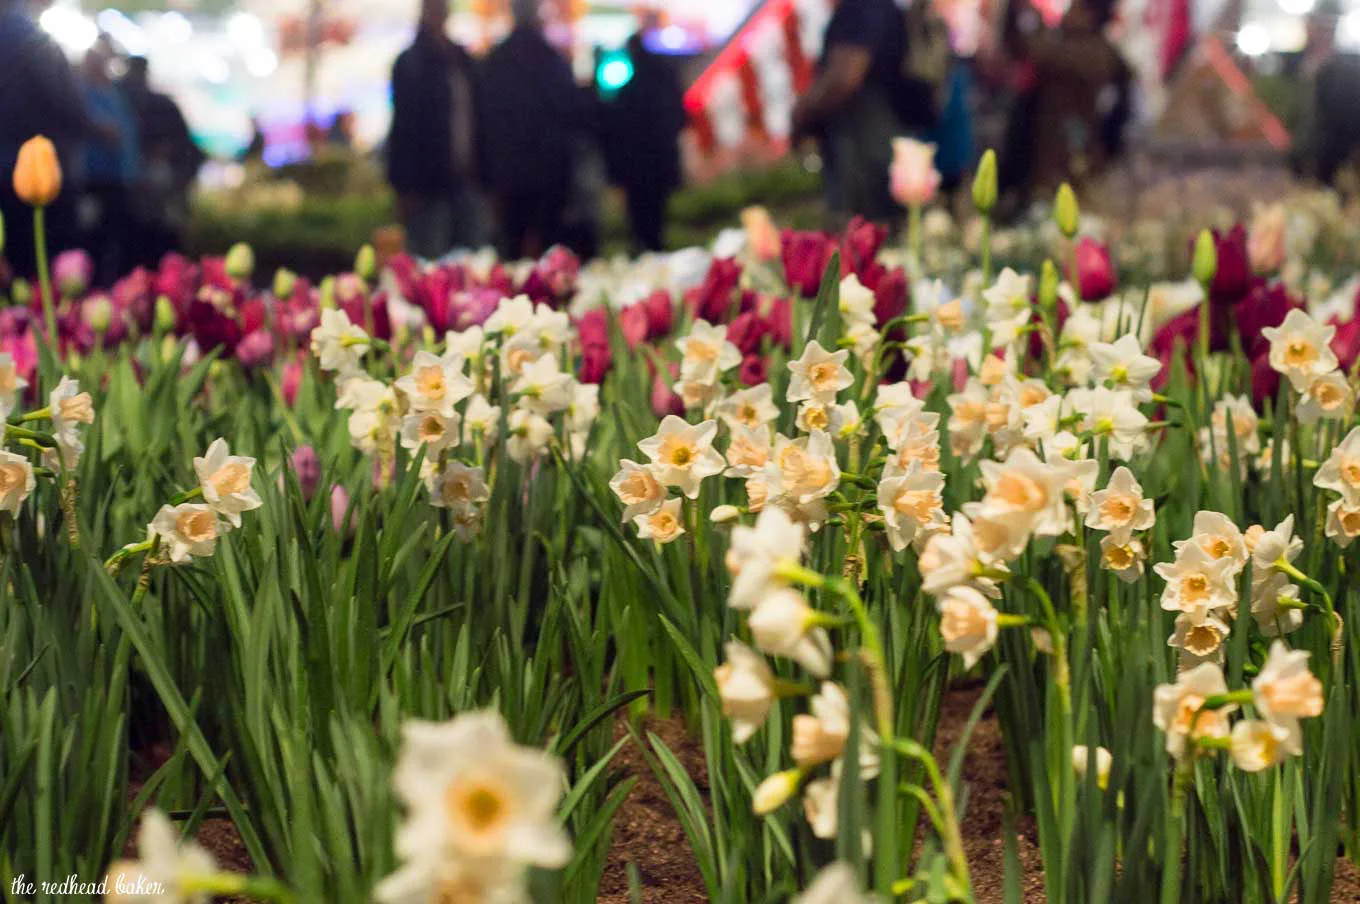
245	30
175	28
69	28
262	63
1297	7
1253	39
1348	31
214	69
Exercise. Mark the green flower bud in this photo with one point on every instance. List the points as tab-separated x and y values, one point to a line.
165	315
327	289
98	313
240	262
284	281
984	183
1048	286
1205	262
21	290
1066	213
366	263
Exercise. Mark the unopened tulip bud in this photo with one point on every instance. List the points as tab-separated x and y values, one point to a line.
327	292
1066	213
984	183
284	282
366	263
776	791
1048	286
240	262
165	315
21	291
98	313
724	513
1205	263
37	173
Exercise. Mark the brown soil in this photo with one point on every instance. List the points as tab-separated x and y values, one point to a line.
647	832
983	819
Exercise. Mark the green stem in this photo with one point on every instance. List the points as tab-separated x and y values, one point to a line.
187	495
235	884
44	275
37	436
1175	829
950	835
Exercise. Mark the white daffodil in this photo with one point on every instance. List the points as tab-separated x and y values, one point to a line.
186	530
749	408
1196	583
968	419
749	451
1341	471
1120	508
542	387
1199	638
784	625
550	328
475	799
373	419
1219	537
1113	415
481	420
682	454
968	623
746	689
756	553
912	506
512	315
1328	397
821	801
836	884
856	302
819	736
705	353
1008	306
1343	522
637	488
864	342
1125	559
1245	425
68	408
818	374
1300	348
1123	364
1276	607
952	558
436	383
1257	745
12	385
1278	545
519	351
1176	708
663	524
916	441
582	412
434	431
16	481
165	869
458	486
1285	691
338	343
803	472
225	481
528	434
1024	486
466	344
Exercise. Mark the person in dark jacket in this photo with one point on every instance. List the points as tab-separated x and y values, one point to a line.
643	125
535	115
38	95
433	148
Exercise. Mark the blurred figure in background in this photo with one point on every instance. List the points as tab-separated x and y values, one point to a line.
433	148
535	117
110	166
38	95
1069	122
169	165
642	139
861	98
1327	135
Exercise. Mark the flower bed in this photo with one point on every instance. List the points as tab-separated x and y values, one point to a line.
408	574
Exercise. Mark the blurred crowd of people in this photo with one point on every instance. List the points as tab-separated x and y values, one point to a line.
511	149
126	152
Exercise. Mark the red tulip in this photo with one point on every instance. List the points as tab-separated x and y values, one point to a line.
1095	271
712	299
633	324
754	370
805	256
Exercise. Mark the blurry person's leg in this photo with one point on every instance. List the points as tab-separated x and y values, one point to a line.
647	216
428	226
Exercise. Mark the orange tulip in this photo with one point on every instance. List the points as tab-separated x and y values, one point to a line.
37	173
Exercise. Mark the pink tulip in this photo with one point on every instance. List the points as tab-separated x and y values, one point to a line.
1266	240
762	236
72	272
914	177
256	349
307	468
339	509
664	399
292	380
633	324
1095	271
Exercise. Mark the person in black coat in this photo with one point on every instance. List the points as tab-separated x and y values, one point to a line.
534	115
433	149
643	125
